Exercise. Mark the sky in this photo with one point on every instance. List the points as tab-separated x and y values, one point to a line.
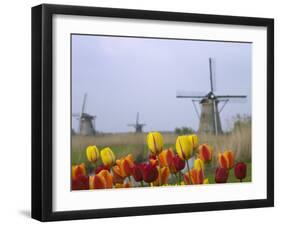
125	75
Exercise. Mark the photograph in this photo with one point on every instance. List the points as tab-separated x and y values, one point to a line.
153	111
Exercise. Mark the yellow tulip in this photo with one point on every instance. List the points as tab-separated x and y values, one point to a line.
198	164
155	142
195	141
184	147
92	153
107	157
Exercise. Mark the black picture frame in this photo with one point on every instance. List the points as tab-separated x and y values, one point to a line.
42	107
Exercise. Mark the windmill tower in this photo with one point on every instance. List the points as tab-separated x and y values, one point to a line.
86	121
209	119
138	126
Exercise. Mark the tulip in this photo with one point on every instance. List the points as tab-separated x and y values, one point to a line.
166	158
152	156
107	157
195	141
178	163
155	142
198	164
226	159
196	175
125	185
78	170
92	153
101	180
184	147
125	165
100	168
118	177
205	153
164	174
149	172
240	170
221	175
137	172
80	181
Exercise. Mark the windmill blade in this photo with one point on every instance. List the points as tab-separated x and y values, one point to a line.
196	95
137	119
212	74
131	125
233	98
195	107
84	103
75	115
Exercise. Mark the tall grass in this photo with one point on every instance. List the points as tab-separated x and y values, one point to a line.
239	141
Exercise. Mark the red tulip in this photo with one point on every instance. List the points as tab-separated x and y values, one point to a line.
221	175
178	163
205	153
240	170
136	172
149	172
100	168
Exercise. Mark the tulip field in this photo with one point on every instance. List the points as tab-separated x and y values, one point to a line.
156	161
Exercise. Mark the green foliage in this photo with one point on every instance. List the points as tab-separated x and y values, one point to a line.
184	131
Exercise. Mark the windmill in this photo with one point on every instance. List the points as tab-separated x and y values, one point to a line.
86	121
210	113
138	126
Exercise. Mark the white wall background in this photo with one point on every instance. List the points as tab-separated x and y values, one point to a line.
15	114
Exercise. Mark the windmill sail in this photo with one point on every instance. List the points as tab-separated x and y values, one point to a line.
209	118
86	121
138	126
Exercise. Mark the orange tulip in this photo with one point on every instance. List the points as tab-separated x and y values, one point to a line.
118	176
125	164
226	159
101	180
80	180
166	158
197	176
78	170
205	153
164	174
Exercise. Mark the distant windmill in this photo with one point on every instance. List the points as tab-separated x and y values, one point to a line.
86	121
210	114
138	126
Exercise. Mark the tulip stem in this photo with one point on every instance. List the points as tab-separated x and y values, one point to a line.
158	159
240	180
179	178
188	171
141	182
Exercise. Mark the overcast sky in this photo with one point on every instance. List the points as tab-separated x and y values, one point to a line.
123	76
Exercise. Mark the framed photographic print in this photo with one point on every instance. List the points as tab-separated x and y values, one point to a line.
145	112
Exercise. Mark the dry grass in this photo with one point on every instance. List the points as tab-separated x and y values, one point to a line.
238	141
123	143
